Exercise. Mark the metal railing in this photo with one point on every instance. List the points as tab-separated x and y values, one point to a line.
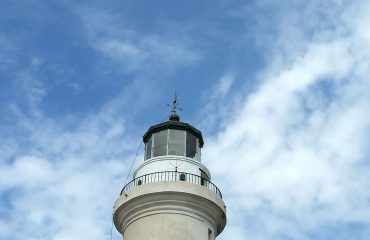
169	176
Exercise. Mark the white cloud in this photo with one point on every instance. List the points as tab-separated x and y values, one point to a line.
59	183
7	51
133	50
149	51
296	153
291	160
216	96
32	89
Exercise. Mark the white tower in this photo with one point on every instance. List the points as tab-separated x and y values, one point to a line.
171	196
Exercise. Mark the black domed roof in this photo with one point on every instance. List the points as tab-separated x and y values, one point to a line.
174	117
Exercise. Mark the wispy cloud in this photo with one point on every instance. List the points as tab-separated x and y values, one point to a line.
7	51
60	177
59	184
290	153
218	95
136	51
296	153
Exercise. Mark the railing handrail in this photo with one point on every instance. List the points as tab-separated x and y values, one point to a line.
166	176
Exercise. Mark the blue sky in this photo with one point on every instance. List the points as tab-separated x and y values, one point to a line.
280	91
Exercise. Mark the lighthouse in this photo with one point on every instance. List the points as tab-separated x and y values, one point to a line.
171	195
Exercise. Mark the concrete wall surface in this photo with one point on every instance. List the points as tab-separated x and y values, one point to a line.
170	210
168	163
168	226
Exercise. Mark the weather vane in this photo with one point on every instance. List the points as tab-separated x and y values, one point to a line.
175	107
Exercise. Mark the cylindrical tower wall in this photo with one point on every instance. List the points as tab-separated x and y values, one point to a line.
170	210
169	226
172	163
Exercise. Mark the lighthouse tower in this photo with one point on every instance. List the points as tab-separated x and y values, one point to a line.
171	196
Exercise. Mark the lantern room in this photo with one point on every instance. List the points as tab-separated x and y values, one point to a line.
173	138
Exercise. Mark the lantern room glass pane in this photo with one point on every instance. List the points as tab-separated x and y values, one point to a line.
191	145
148	149
160	143
176	142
